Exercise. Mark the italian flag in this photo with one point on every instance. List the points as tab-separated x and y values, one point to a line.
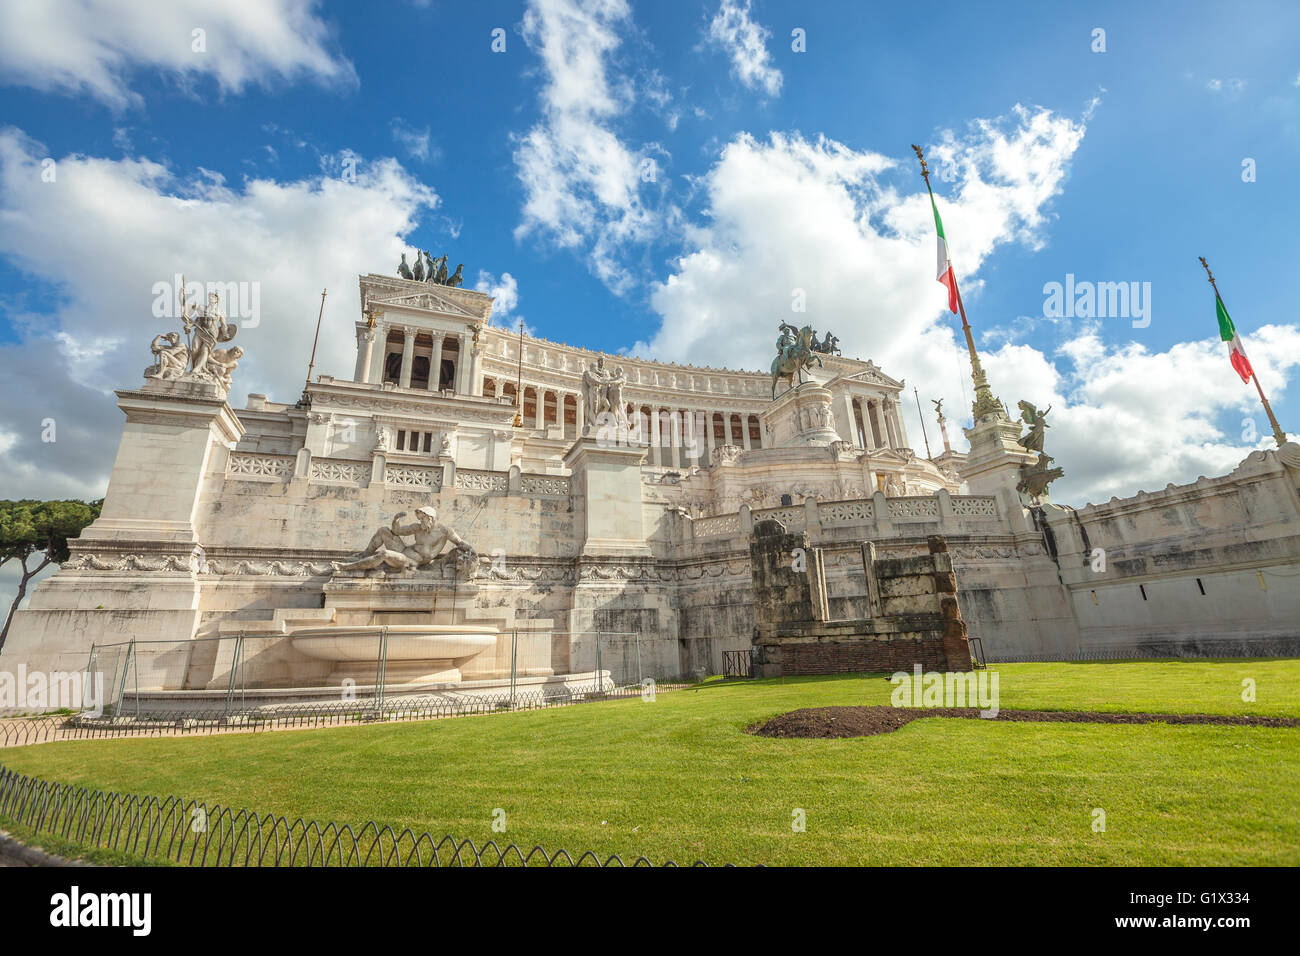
1228	332
945	275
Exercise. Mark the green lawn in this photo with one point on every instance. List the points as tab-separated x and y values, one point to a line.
680	779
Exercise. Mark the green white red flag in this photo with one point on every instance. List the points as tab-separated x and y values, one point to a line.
945	274
1228	332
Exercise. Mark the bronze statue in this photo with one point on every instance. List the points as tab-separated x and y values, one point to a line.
1037	422
418	272
794	355
403	269
456	277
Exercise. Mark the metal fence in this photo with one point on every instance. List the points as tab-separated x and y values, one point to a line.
192	833
242	673
737	664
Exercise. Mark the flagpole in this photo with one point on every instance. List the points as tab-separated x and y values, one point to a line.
1279	436
985	403
921	415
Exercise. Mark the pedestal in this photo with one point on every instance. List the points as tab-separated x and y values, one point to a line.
802	416
606	489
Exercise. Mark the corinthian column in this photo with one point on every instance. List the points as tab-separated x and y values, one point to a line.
408	356
365	354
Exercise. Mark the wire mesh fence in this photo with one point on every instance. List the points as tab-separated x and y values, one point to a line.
193	833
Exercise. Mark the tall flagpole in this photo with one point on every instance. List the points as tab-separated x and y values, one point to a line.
985	403
921	415
1278	435
305	401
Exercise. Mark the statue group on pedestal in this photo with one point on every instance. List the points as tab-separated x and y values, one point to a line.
429	269
1035	477
602	392
387	550
198	358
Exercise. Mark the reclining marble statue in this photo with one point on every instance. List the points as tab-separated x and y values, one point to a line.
387	549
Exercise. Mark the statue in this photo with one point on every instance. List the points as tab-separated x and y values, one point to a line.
198	358
794	355
208	328
614	394
170	357
943	423
222	363
456	277
595	380
403	269
387	549
1035	477
441	277
417	273
829	345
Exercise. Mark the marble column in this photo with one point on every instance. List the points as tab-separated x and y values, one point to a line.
656	445
708	438
541	408
579	412
435	362
462	365
476	368
744	431
365	354
726	417
852	435
408	356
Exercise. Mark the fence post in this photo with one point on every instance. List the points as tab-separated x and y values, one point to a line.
381	671
236	670
514	664
600	673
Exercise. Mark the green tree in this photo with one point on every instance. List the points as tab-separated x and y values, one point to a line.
35	534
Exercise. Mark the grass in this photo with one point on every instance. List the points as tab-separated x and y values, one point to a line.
680	779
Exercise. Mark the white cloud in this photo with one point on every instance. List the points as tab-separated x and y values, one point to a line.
581	182
1232	86
735	31
93	46
1124	418
418	143
794	214
104	232
505	293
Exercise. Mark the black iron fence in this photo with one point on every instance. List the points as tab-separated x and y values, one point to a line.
737	663
192	833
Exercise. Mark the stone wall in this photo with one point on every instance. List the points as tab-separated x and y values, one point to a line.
914	615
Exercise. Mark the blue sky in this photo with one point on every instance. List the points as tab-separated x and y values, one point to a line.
773	170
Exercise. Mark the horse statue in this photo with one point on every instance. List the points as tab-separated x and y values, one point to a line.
794	357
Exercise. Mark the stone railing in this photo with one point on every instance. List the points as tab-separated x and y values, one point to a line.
544	486
845	514
914	506
414	476
251	465
876	515
794	517
716	527
470	479
975	506
340	470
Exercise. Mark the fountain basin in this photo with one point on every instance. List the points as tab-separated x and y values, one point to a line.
415	652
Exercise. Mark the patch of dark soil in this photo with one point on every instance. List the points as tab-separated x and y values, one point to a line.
832	722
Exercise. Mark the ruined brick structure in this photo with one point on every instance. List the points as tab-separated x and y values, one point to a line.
914	617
